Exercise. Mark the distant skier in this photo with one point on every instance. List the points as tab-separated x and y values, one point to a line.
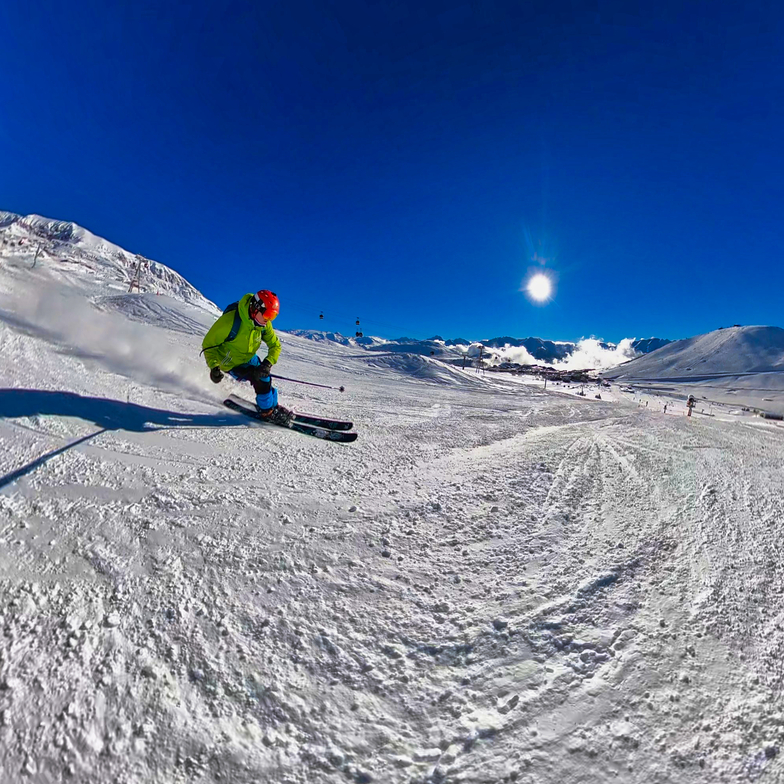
232	342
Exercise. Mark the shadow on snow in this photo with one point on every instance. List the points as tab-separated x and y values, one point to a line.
106	414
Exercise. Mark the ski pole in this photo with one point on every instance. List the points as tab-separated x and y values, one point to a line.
309	383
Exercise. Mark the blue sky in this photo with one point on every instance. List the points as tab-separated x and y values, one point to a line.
410	163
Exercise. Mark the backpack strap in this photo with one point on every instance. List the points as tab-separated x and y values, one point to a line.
235	327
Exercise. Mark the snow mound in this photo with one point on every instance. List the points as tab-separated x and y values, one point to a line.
320	336
423	347
422	368
160	311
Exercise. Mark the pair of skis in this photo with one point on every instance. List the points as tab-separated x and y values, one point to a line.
318	427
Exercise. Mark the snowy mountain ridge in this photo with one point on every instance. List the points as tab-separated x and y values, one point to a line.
530	350
739	365
77	256
727	351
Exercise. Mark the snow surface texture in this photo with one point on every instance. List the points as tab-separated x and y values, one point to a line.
494	584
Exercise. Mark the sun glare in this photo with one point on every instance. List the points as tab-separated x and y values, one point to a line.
539	288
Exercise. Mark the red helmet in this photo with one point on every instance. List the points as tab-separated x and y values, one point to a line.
264	306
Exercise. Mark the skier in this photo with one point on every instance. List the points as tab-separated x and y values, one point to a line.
231	345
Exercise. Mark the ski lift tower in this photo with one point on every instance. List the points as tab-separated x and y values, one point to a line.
37	251
137	274
480	365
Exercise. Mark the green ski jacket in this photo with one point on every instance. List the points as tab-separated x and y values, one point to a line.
235	338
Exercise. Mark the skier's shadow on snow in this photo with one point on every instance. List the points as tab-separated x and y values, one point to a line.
106	414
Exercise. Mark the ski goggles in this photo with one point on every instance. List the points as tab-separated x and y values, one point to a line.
262	312
257	314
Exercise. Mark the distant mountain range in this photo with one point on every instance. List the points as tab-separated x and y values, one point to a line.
545	351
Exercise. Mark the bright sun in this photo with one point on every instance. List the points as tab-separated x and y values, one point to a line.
539	288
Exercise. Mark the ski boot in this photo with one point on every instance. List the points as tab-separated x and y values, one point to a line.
278	415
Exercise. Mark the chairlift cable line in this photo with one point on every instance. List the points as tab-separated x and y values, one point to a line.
339	318
325	315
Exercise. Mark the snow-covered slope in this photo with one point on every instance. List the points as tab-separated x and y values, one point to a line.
74	255
743	366
321	336
730	351
422	368
495	583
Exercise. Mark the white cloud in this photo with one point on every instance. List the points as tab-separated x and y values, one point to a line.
591	354
517	354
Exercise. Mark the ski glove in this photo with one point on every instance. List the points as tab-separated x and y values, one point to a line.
216	376
265	368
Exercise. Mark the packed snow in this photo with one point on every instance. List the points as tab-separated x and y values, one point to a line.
495	583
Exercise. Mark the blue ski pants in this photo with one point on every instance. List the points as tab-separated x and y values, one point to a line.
266	394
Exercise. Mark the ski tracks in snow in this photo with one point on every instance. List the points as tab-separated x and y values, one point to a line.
578	596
